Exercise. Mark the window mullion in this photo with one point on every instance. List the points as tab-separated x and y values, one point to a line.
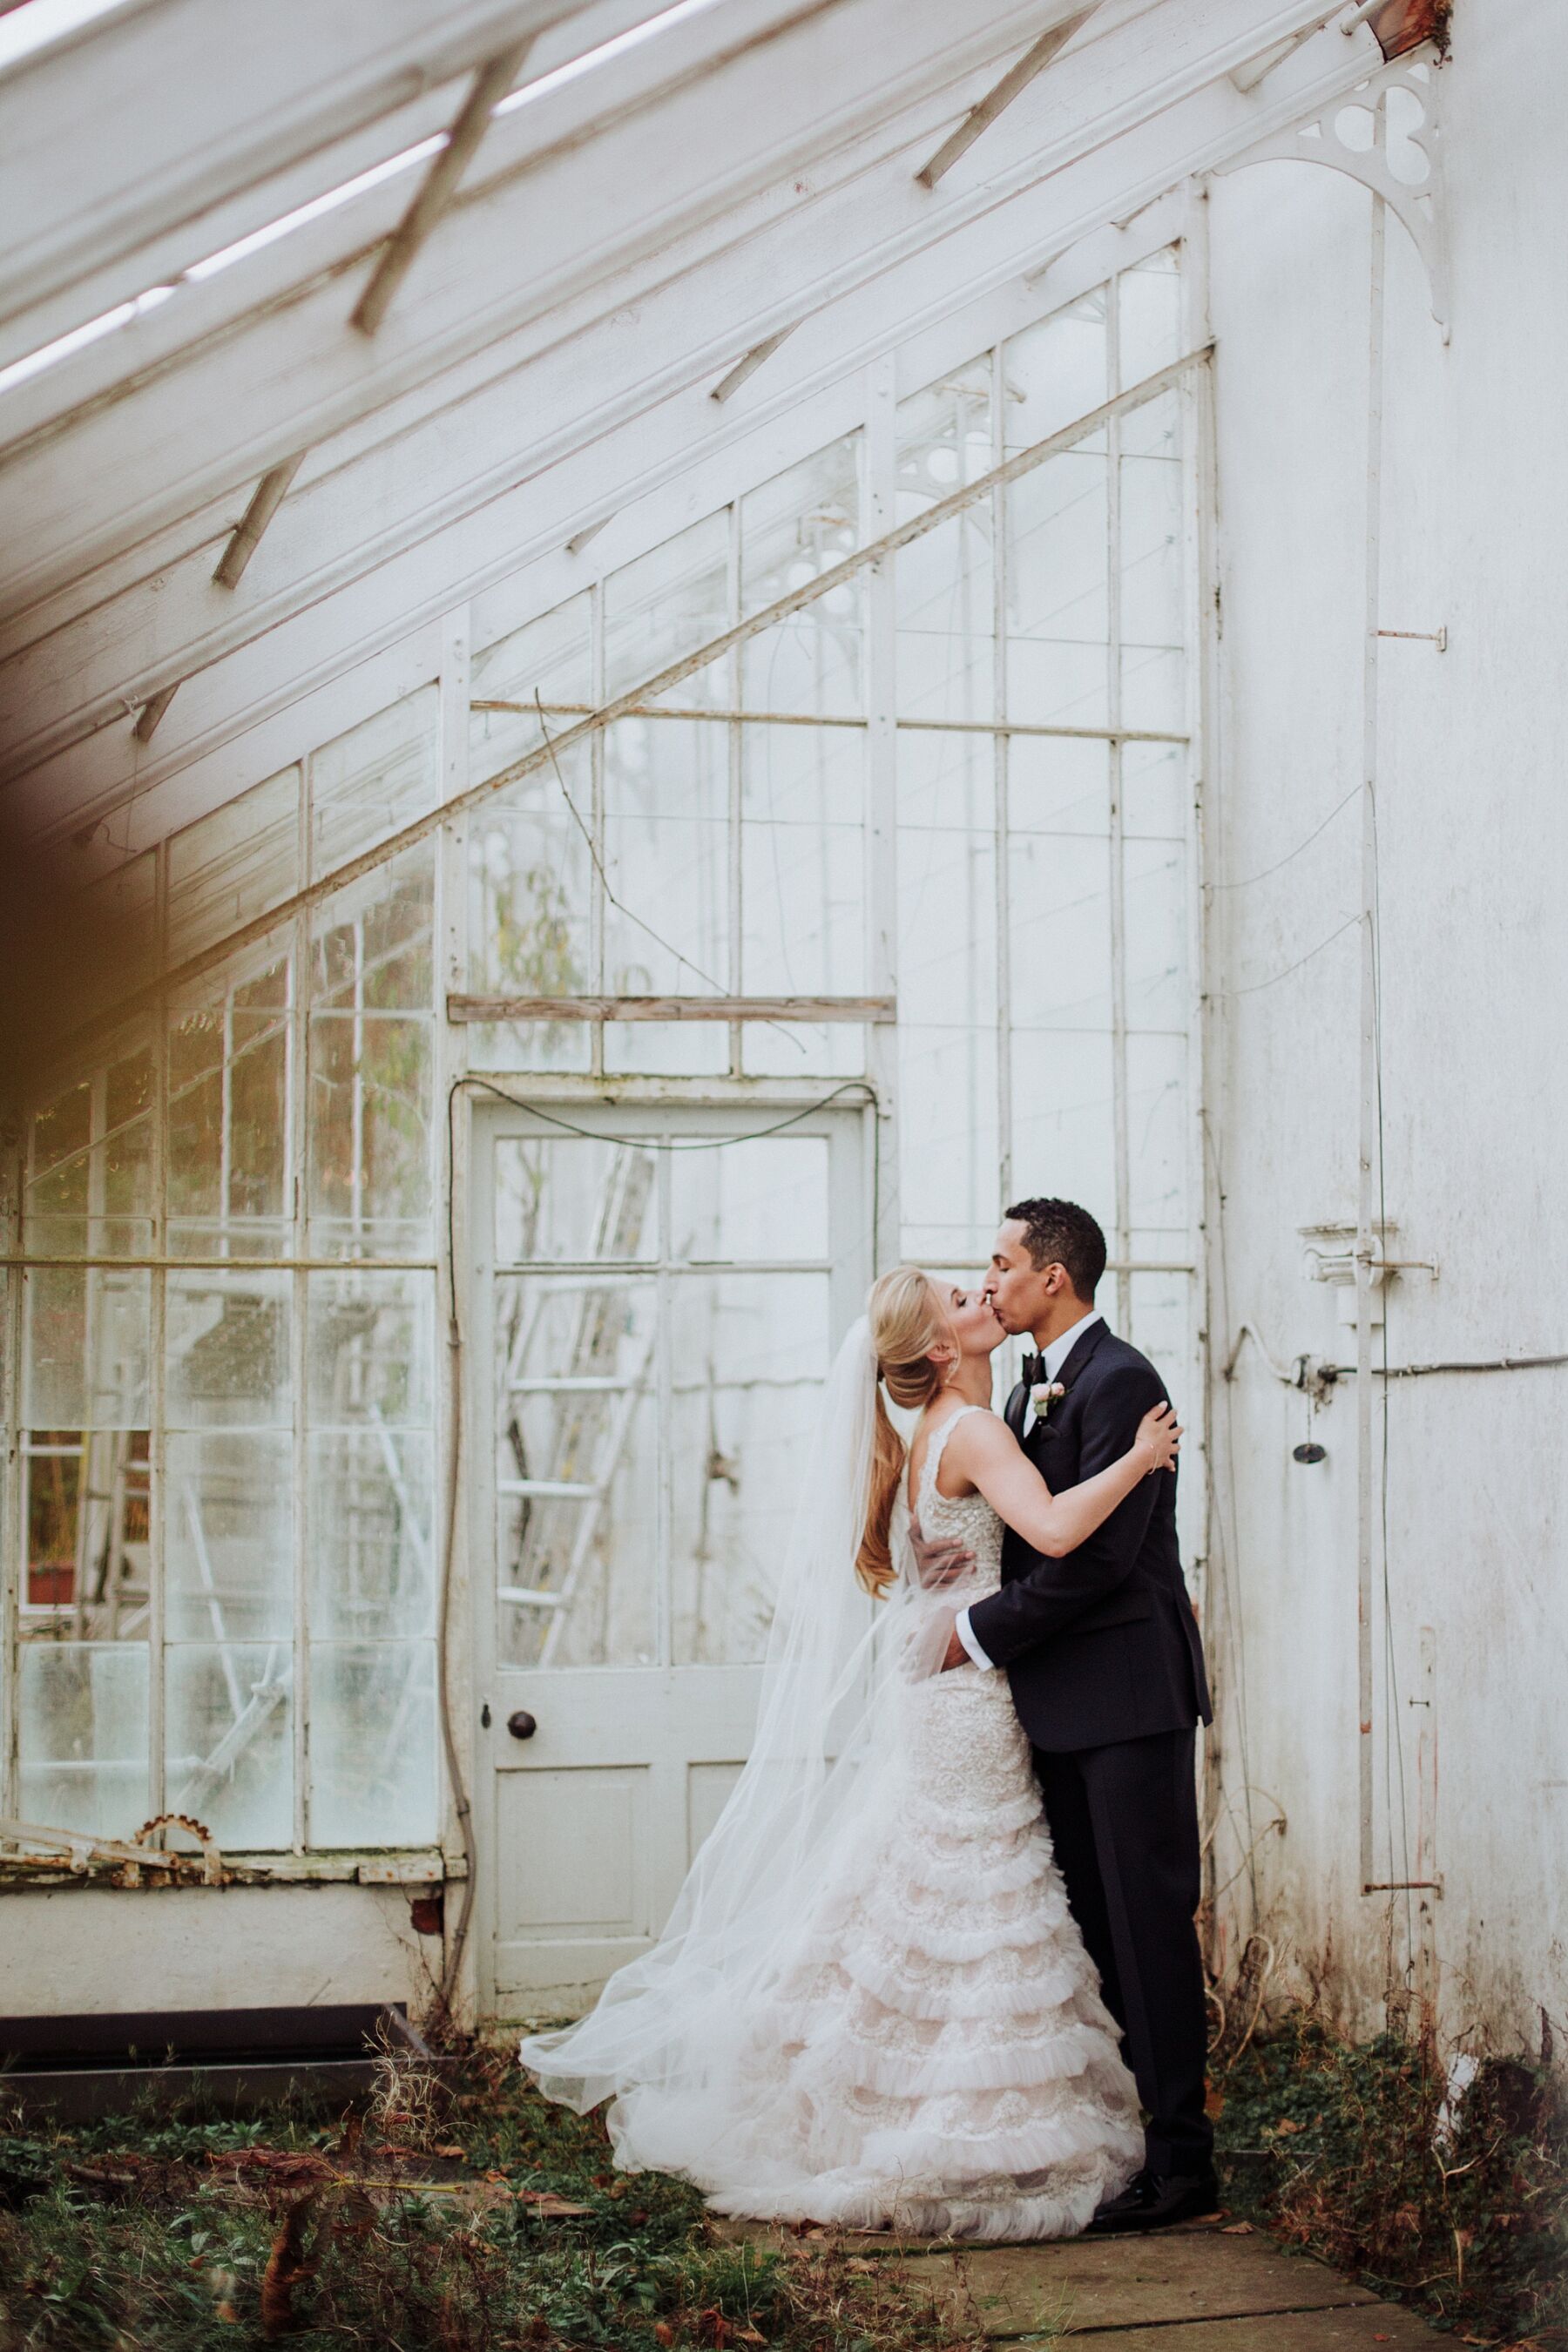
881	912
1000	748
157	1282
299	1081
11	1520
1122	1250
737	750
597	910
663	1643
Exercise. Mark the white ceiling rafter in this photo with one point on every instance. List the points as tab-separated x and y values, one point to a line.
102	152
213	388
670	675
1181	135
275	699
389	148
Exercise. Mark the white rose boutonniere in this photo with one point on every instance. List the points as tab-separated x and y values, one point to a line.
1044	1394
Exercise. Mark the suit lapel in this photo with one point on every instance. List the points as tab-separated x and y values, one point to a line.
1082	1350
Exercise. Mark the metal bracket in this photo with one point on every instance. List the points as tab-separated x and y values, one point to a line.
1387	133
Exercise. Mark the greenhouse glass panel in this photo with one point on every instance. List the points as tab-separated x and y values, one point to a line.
956	783
372	1743
666	605
371	781
748	1354
235	864
228	1728
82	1735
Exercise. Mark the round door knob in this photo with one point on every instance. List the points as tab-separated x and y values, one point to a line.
522	1724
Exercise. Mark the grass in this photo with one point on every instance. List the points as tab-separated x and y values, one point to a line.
1346	2148
211	2233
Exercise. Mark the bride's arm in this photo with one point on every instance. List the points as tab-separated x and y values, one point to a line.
984	1450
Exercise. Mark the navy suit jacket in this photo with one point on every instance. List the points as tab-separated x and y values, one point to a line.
1101	1644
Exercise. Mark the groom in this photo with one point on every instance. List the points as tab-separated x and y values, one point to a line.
1107	1671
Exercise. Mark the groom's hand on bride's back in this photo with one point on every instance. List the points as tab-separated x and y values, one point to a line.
940	1560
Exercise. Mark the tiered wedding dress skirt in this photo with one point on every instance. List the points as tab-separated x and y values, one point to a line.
899	2027
939	2059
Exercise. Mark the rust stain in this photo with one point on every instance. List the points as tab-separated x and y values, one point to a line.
1405	25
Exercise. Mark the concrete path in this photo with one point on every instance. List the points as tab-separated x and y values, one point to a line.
1205	2287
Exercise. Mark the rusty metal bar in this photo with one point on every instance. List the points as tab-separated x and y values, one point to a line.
1017	79
491	84
268	496
751	363
838	719
671	1008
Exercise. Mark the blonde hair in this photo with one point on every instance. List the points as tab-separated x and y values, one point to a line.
906	1320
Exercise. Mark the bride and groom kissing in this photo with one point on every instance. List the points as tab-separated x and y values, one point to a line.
935	1969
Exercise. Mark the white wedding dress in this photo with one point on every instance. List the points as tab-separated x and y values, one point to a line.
872	2008
938	2059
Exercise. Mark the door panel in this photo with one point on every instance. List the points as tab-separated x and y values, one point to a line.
655	1310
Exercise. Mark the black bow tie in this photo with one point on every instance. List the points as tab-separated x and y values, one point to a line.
1034	1370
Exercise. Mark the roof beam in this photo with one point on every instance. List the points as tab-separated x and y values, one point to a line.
163	109
462	525
232	375
1012	85
491	84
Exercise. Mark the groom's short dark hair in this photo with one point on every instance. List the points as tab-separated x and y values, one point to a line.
1060	1232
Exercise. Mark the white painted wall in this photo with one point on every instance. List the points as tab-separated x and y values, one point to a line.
93	1950
1474	874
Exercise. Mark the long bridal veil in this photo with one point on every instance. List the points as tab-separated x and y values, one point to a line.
666	2035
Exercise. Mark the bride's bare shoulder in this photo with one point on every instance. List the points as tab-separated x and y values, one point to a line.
979	1430
976	1437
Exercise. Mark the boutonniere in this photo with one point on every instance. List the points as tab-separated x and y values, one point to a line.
1044	1394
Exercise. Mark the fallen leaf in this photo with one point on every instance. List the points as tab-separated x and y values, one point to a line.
452	2150
1238	2229
663	2332
545	2201
283	2165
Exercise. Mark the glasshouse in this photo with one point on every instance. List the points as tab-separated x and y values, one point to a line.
685	651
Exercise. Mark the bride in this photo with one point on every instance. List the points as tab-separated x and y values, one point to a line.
871	2006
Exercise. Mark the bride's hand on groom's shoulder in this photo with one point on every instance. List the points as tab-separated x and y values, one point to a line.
1160	1437
938	1560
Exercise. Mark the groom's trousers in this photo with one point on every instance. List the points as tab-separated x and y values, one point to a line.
1124	1823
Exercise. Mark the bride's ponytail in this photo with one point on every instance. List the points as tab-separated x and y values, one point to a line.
874	1562
906	1322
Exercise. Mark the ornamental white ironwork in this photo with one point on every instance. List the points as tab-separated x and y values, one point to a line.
1386	132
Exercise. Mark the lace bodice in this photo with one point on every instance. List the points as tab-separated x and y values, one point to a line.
965	1519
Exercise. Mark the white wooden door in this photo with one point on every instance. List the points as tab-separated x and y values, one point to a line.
654	1311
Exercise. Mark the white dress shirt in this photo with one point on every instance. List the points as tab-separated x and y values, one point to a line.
1052	1360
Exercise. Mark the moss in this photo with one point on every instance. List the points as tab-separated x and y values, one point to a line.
1346	2148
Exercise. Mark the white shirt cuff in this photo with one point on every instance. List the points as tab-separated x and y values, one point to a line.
962	1628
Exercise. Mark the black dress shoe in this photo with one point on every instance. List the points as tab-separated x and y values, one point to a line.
1153	2201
